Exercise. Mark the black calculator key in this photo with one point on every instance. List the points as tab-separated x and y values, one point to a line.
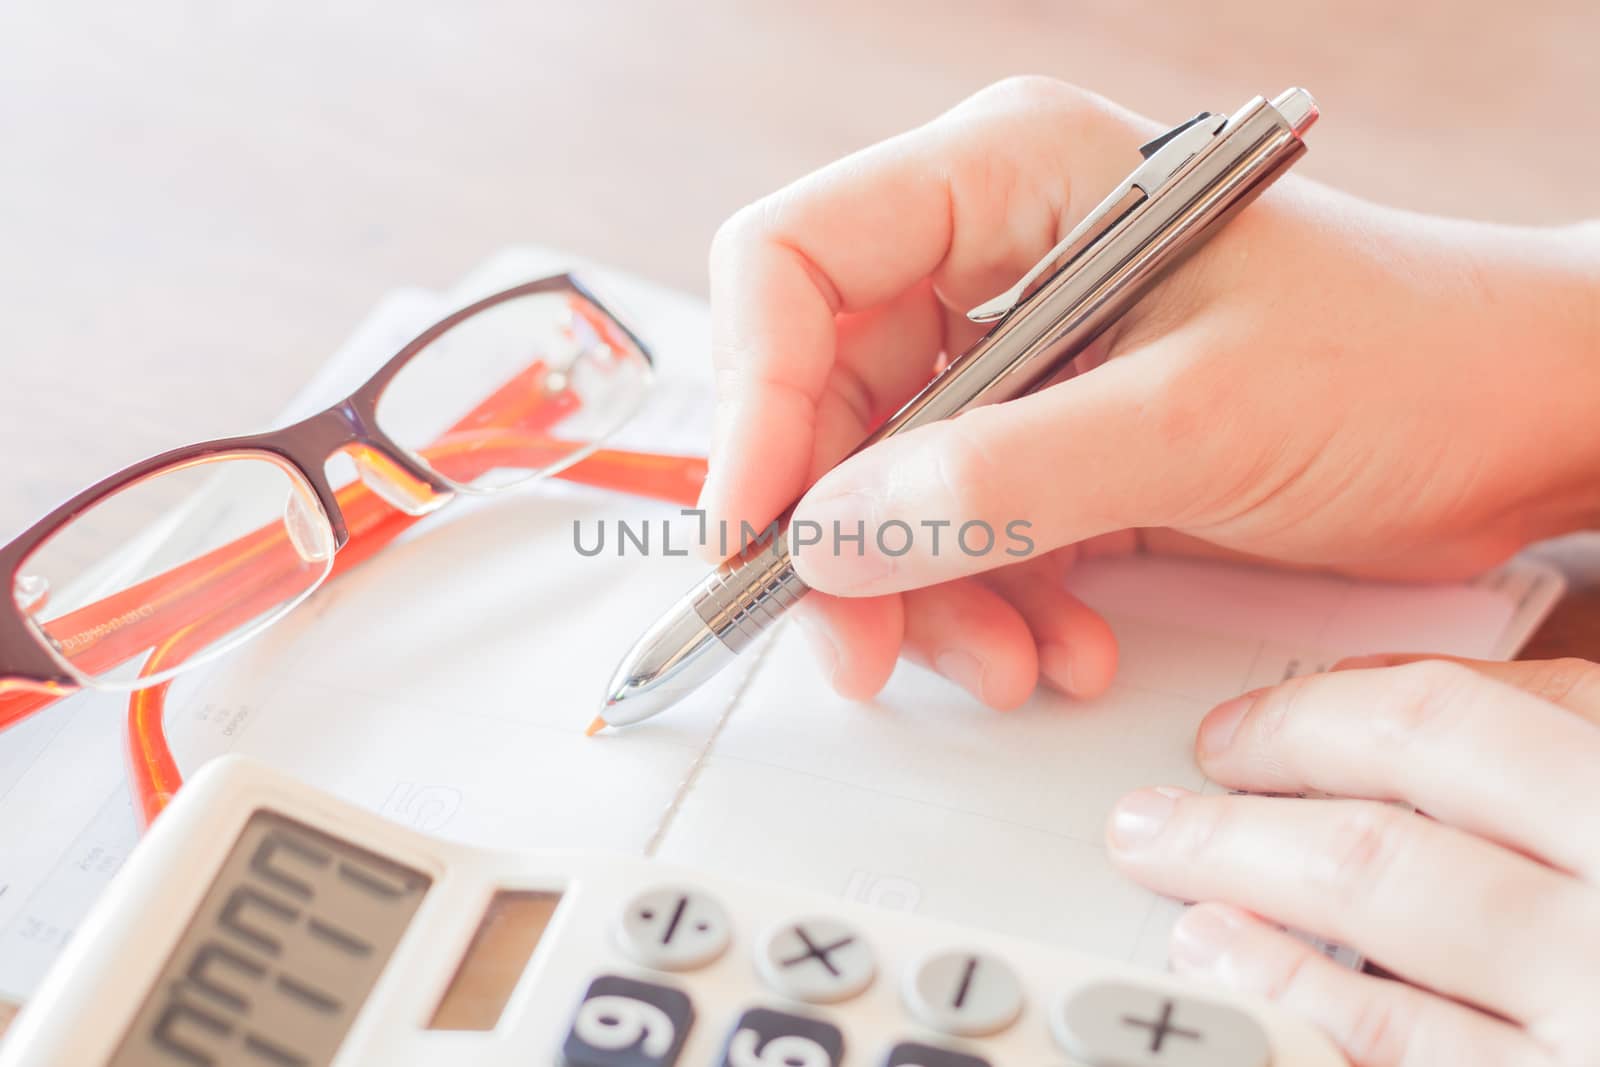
911	1054
766	1038
626	1023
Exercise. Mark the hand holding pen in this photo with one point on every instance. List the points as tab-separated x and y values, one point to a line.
1258	400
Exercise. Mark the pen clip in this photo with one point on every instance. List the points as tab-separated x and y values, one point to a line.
1162	158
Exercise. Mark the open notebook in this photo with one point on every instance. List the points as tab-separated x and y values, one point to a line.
447	683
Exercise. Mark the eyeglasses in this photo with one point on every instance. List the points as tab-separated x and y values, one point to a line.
185	556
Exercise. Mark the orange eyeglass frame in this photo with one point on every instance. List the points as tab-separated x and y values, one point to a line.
212	595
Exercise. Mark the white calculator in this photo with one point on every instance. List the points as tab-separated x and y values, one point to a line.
268	924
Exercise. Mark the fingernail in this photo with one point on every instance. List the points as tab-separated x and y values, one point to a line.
847	558
1201	937
1138	817
820	637
1216	732
962	668
1055	663
1361	663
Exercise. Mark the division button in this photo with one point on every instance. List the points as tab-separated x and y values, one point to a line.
1118	1025
674	929
626	1023
816	960
766	1038
969	993
911	1054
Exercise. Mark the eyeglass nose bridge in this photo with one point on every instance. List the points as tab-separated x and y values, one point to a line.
396	481
383	467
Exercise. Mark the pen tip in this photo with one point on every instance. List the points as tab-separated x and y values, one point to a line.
596	726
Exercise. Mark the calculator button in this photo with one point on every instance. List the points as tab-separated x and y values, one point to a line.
674	929
964	992
1115	1025
911	1054
818	960
766	1038
625	1023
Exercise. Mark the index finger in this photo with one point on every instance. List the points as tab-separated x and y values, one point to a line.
970	200
1569	682
1469	750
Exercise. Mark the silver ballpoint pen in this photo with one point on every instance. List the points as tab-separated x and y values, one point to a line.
1193	178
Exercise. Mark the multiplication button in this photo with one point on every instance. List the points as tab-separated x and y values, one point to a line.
674	929
1116	1025
816	960
965	993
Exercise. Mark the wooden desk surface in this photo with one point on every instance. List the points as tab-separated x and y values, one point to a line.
198	200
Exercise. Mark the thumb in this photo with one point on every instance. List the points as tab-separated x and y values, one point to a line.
1086	456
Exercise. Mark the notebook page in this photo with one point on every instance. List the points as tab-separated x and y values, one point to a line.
926	801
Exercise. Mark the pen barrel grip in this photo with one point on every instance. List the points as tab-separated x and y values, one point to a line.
1039	338
742	598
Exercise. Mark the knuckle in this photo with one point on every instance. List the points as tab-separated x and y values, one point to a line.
1289	984
1380	1027
1275	711
964	467
736	232
1420	700
852	392
1364	845
1035	94
1283	734
1184	394
1200	825
1032	91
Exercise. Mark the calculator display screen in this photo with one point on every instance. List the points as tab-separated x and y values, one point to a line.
280	955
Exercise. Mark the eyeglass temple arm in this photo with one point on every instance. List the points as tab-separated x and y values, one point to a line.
152	770
676	479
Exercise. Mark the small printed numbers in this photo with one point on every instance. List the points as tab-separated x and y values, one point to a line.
883	891
423	807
